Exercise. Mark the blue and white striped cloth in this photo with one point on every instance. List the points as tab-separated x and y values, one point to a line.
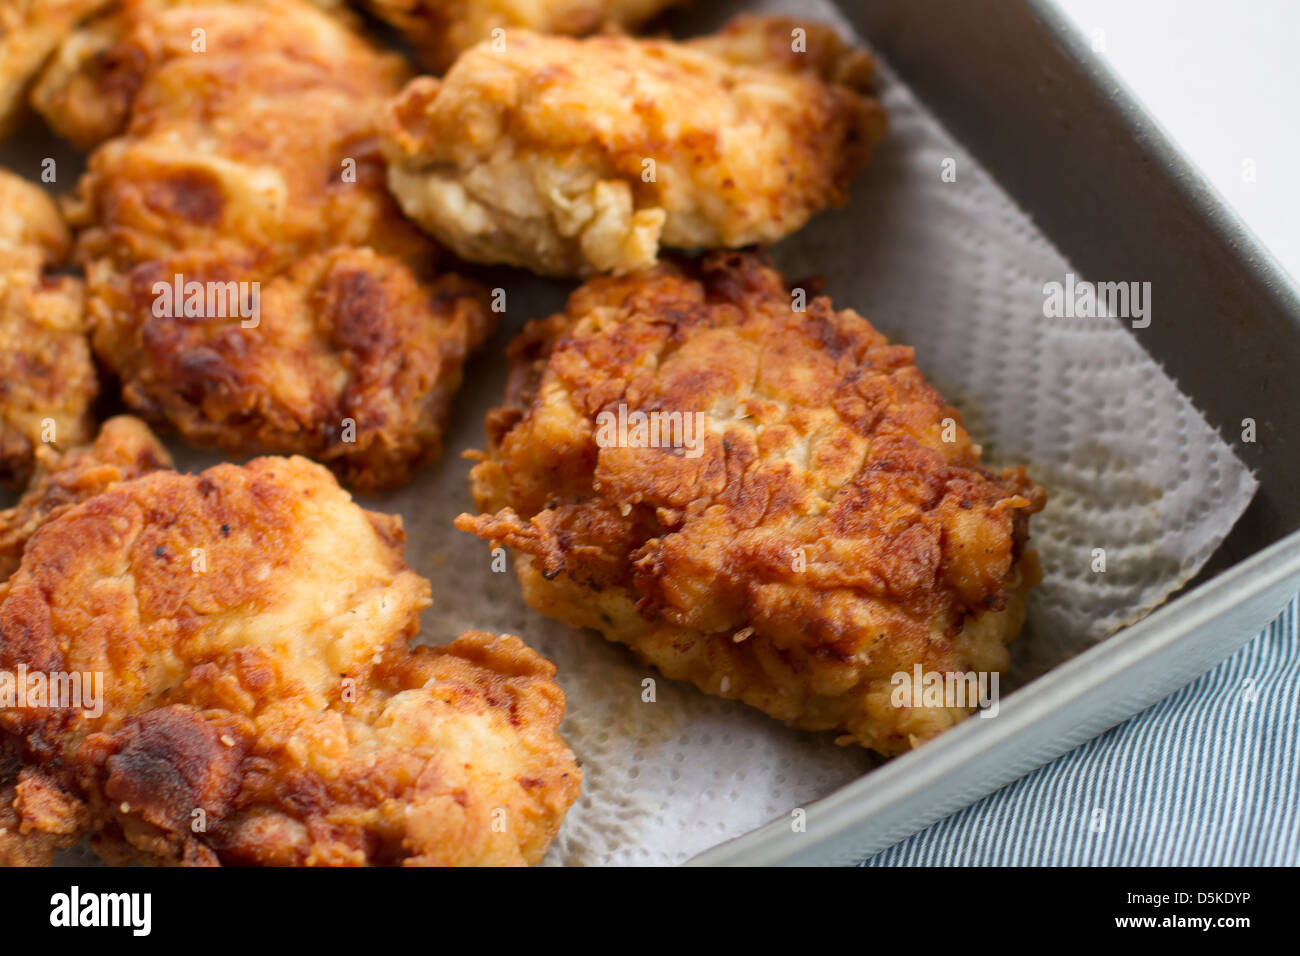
1208	776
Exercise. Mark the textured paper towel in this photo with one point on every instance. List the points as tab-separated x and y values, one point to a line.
956	270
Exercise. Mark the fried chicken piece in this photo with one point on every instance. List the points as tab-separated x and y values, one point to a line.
573	157
253	170
441	29
354	361
808	536
29	32
259	702
124	449
47	375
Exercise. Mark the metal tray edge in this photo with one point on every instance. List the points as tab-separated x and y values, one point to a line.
1077	700
1063	707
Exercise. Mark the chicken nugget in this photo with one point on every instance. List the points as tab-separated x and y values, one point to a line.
229	681
574	157
772	504
47	376
440	29
125	448
249	279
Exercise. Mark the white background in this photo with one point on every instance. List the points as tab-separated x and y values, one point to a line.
1223	79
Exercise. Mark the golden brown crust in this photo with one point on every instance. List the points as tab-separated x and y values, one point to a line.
441	29
260	702
36	820
354	362
30	221
826	536
29	32
47	376
257	161
123	449
770	42
85	93
575	157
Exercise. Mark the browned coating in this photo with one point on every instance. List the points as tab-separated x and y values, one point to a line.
835	529
47	375
261	702
256	160
29	32
441	29
576	157
124	449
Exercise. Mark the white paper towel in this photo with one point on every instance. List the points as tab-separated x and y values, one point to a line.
956	270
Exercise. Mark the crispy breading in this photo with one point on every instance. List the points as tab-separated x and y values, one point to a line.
260	701
573	157
828	526
85	92
441	29
125	448
353	362
30	220
29	32
47	375
256	161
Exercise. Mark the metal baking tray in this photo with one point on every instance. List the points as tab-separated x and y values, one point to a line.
1015	82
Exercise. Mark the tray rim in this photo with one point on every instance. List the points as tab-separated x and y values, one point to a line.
1260	584
1052	696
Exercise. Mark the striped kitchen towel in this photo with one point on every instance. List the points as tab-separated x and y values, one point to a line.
1208	776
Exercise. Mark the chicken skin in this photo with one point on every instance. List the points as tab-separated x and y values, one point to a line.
575	157
256	700
249	279
441	29
47	376
810	521
125	448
